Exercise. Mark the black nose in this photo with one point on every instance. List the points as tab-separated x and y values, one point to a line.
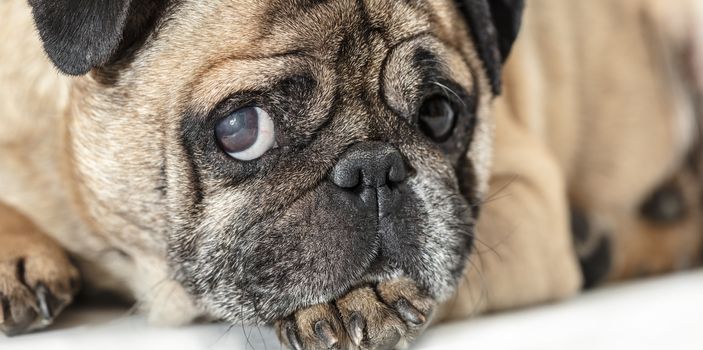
374	171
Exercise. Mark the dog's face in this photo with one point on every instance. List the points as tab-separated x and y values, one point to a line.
278	153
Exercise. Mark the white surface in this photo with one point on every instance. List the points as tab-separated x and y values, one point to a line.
665	313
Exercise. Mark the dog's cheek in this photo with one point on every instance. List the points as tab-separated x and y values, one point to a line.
445	236
446	220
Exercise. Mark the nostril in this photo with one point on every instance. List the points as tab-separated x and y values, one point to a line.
346	175
398	171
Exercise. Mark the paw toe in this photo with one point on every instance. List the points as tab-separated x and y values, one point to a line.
316	327
19	309
29	304
411	304
369	322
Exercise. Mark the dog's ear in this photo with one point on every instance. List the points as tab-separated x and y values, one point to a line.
494	26
79	35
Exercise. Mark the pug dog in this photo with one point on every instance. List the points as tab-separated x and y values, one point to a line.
320	166
317	165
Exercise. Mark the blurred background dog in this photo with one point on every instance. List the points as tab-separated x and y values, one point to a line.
598	135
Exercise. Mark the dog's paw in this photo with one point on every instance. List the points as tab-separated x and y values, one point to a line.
388	316
33	290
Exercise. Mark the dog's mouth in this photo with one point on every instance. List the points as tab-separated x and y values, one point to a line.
320	248
372	219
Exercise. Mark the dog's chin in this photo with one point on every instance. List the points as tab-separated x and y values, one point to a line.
256	300
264	291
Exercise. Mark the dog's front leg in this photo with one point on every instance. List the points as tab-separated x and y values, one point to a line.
37	280
523	253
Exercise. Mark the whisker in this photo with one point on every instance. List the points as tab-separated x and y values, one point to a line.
139	302
244	331
229	328
445	89
263	339
483	290
500	189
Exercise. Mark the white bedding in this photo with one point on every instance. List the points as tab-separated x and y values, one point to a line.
664	313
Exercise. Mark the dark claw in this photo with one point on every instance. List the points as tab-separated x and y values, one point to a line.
4	310
356	328
324	331
45	300
15	324
409	313
292	336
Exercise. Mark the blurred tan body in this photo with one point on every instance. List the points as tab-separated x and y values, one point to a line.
598	111
36	186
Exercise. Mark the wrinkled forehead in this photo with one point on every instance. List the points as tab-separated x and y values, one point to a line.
202	39
328	28
310	25
239	29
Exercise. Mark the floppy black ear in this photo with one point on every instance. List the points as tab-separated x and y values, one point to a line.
79	35
494	25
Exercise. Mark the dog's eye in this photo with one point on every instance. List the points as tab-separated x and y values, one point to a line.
437	118
246	134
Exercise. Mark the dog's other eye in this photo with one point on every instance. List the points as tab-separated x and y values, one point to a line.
246	134
437	118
